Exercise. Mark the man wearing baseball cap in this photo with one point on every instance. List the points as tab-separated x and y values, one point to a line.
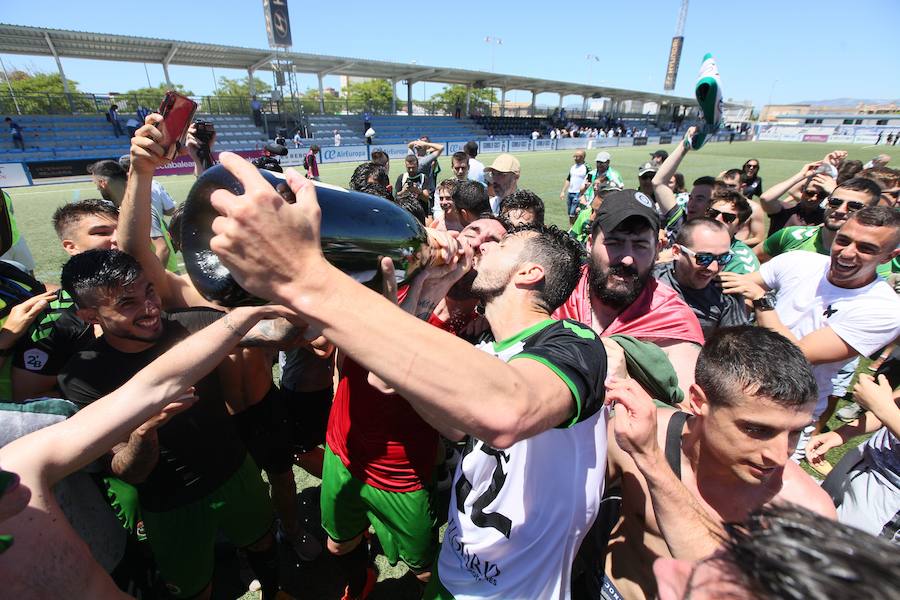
604	171
617	293
503	175
658	157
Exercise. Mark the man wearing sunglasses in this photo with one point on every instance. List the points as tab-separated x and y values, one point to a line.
813	184
846	199
733	210
702	250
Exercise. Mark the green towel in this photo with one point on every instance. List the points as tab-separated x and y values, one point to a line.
650	367
708	92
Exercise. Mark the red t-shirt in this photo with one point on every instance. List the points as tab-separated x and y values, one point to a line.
380	438
658	313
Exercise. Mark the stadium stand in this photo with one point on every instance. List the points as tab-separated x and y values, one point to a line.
393	129
50	137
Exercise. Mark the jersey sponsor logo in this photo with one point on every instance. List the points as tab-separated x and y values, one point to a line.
828	311
479	517
480	570
35	359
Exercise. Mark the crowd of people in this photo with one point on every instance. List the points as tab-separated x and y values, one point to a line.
618	410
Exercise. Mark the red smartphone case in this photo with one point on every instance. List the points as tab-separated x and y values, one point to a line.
178	113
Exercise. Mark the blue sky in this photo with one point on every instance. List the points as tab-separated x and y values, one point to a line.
787	50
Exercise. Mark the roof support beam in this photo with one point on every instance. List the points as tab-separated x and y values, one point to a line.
262	62
415	75
169	56
62	73
336	68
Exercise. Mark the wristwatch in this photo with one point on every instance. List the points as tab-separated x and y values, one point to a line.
764	303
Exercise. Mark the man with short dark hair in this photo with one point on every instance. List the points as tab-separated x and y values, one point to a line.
15	131
784	551
369	172
523	207
193	474
617	293
729	454
525	402
807	189
701	252
460	164
381	158
833	307
427	153
476	167
471	202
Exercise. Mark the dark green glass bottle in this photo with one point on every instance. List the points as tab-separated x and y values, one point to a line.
357	230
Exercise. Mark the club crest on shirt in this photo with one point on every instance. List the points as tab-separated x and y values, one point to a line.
35	359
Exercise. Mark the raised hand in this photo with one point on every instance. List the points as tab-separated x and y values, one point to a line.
634	421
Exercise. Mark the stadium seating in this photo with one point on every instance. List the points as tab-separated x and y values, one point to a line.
512	126
50	137
393	129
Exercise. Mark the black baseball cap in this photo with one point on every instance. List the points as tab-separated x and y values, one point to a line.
660	154
619	206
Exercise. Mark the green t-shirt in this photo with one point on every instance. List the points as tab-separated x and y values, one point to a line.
743	260
803	237
581	228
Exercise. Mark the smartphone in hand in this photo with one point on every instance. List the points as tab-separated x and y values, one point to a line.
178	113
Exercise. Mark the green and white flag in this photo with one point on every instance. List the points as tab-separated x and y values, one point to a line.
709	96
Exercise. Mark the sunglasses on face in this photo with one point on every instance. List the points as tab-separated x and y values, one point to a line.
852	205
752	166
704	259
809	194
712	213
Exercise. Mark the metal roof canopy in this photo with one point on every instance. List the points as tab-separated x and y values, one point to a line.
40	41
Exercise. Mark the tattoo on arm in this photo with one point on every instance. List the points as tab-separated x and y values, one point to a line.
424	308
271	333
134	461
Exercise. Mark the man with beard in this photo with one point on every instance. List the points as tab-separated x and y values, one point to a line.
834	308
380	454
531	403
617	294
503	176
847	198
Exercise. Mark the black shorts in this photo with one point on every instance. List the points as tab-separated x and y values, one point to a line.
265	431
308	417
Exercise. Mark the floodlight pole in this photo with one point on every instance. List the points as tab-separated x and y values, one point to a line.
9	85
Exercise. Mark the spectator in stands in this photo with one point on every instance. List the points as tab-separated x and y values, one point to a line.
730	208
460	164
110	177
702	251
112	115
784	552
131	125
337	137
476	167
523	207
658	157
617	293
834	308
535	134
574	185
503	176
15	131
728	452
311	164
606	173
427	154
751	182
256	109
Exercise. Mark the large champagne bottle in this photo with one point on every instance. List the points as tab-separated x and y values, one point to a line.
357	230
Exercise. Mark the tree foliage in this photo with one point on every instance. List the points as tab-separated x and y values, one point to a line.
241	87
38	93
374	94
455	95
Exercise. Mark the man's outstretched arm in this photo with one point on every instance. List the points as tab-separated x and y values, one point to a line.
661	190
446	378
65	447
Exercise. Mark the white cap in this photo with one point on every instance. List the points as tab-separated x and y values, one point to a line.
603	157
